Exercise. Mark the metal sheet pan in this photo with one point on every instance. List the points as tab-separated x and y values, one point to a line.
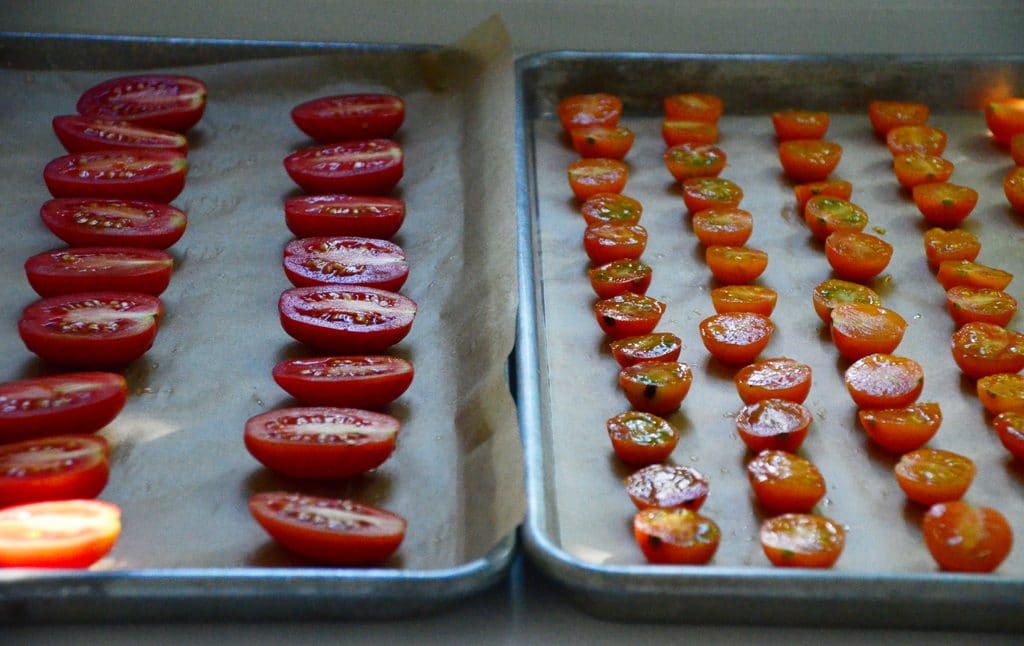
577	527
180	473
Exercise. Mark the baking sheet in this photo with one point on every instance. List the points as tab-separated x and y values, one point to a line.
579	525
179	469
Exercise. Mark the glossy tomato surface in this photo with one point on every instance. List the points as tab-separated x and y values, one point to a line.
981	349
809	160
58	534
966	538
784	482
799	124
344	215
898	430
744	298
657	387
832	292
611	208
583	110
590	177
736	337
601	141
776	424
886	115
61	467
89	269
657	346
667	486
802	540
347	320
779	378
142	174
728	226
640	439
941	245
859	329
676	536
345	260
81	134
694	106
884	381
85	222
628	315
73	402
701	193
929	476
361	381
620	276
153	100
735	265
371	166
350	116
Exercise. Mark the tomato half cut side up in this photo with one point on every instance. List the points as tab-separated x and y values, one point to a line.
346	320
73	402
91	329
802	540
834	292
728	226
736	337
1010	429
825	215
784	482
886	115
966	305
694	160
350	116
831	187
657	387
943	204
658	346
154	100
328	530
80	134
957	244
966	273
611	208
965	538
361	381
902	140
859	330
600	141
693	106
981	349
735	265
929	476
607	242
371	166
1005	118
590	177
775	424
912	169
620	276
582	110
701	193
345	260
1001	393
61	467
143	174
857	256
744	298
898	430
344	215
676	536
89	269
884	381
667	486
640	439
799	124
628	315
809	160
779	378
58	534
321	443
114	223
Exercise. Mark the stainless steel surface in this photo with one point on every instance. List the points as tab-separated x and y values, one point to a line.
738	587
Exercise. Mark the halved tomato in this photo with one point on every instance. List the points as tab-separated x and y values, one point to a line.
778	378
1010	429
1005	118
775	424
657	346
1013	188
981	349
371	166
809	160
667	486
736	337
831	187
142	174
943	204
859	329
694	106
723	226
590	110
344	215
628	314
641	438
928	476
886	115
620	276
694	160
735	265
61	467
80	134
965	538
1001	393
348	320
701	193
744	298
345	261
91	329
899	430
902	140
884	381
657	387
784	482
328	530
90	269
834	292
955	244
74	402
361	381
676	132
152	100
857	256
967	305
58	534
112	222
799	124
676	536
600	141
802	540
611	208
826	215
916	168
590	177
321	443
607	242
966	273
350	116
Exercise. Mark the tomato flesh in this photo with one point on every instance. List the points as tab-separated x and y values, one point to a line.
735	265
784	482
799	124
965	538
825	215
640	438
676	536
153	100
1005	118
590	110
658	346
114	222
831	187
943	204
601	141
693	106
779	378
859	330
981	349
143	174
886	115
74	402
667	486
1010	428
884	381
728	226
607	242
857	256
58	534
611	208
371	166
967	305
802	540
898	430
590	177
694	160
350	116
344	215
362	381
744	298
736	337
61	467
916	168
628	315
676	132
89	269
954	273
657	387
833	292
701	193
929	476
344	319
345	261
79	134
620	276
957	244
809	160
1001	393
775	424
902	140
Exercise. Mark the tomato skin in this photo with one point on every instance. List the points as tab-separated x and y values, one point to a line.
966	273
859	330
809	160
1010	429
701	193
628	315
916	168
90	269
667	486
657	387
112	222
693	106
982	349
857	256
736	337
344	215
886	115
728	226
73	402
826	215
773	424
676	132
599	141
943	204
744	298
884	381
956	244
676	536
280	441
1005	118
359	381
694	160
965	538
58	534
590	110
640	438
607	242
327	530
784	482
967	305
735	265
898	430
61	467
91	329
799	124
1017	148
611	208
658	346
929	476
1001	393
1013	187
590	177
831	187
370	166
144	174
802	540
163	101
346	319
79	134
345	260
833	292
620	276
779	378
902	140
350	116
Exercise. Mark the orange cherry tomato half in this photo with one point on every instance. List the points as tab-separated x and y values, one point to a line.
981	349
607	242
833	291
915	139
809	160
1017	148
886	115
965	538
729	226
928	476
859	329
590	110
966	273
857	256
1005	118
779	378
620	276
640	439
832	187
675	536
884	381
628	315
701	193
802	540
667	486
744	298
658	346
915	168
1013	187
657	387
800	124
735	265
588	177
694	160
969	305
58	534
736	337
776	424
826	215
694	106
943	204
955	244
898	430
1001	393
676	132
601	141
1010	429
784	482
611	208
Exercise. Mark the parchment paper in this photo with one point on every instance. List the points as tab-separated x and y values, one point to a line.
592	514
179	469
